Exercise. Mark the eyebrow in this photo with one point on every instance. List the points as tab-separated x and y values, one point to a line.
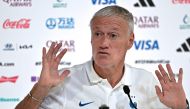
111	28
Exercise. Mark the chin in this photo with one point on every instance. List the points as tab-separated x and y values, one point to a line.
102	63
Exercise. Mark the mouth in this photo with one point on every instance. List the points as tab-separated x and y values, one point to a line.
103	53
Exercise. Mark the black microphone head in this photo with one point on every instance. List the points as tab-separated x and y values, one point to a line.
103	107
126	89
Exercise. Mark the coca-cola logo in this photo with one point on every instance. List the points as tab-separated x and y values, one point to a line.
181	1
20	24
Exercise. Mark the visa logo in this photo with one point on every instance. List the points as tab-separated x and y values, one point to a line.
146	45
103	2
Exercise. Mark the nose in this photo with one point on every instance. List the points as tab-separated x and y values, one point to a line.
104	42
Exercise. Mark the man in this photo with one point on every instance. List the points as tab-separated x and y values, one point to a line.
100	81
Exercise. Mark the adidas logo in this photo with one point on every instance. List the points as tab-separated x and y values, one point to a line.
144	4
185	46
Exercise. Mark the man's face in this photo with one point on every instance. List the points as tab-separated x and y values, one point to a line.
110	40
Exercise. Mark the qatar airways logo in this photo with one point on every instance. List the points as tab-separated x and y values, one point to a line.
181	1
8	79
146	21
69	44
19	3
18	24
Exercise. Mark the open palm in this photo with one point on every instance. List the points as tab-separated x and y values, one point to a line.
171	92
49	75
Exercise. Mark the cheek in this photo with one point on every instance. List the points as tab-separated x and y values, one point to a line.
121	47
93	43
94	47
119	51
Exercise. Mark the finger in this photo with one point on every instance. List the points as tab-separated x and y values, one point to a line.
159	93
170	72
51	49
56	49
180	78
59	57
43	52
64	74
161	80
163	72
44	55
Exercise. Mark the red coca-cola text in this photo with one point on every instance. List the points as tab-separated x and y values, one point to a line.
20	24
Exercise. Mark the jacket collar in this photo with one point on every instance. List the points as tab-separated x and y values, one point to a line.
94	78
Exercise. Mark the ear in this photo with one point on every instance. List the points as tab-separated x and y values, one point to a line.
131	40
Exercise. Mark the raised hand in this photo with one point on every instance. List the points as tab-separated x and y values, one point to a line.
49	75
172	93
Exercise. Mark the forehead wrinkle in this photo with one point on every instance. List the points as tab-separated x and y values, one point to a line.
115	22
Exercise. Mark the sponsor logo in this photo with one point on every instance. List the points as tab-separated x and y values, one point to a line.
69	44
186	22
9	99
59	4
144	3
39	63
150	61
147	21
103	2
60	23
8	79
25	46
9	47
185	46
7	64
35	78
20	24
146	45
12	47
19	3
181	1
81	104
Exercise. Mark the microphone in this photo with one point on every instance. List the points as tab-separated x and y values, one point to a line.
187	104
103	107
127	91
